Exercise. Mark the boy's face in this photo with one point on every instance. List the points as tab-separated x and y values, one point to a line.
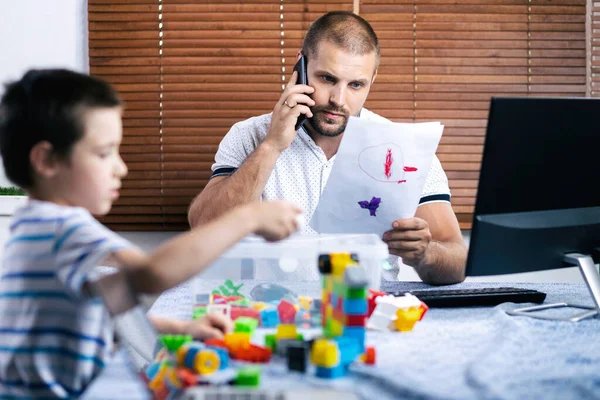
92	177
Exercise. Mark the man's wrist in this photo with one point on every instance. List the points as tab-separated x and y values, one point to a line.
269	148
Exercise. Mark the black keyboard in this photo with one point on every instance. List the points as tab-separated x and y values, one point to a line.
475	297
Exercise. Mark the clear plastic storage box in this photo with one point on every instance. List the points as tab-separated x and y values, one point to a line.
288	262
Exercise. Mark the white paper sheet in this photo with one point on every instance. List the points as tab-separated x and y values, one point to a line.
376	161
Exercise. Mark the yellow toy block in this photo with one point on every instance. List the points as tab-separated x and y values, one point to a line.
259	306
328	285
172	379
237	341
336	328
407	318
325	353
339	262
305	302
328	312
286	331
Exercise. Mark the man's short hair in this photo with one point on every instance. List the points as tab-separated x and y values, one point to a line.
344	29
47	105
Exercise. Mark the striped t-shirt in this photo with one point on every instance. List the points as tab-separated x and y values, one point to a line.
54	338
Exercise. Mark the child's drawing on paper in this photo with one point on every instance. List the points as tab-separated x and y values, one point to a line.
372	205
384	163
378	176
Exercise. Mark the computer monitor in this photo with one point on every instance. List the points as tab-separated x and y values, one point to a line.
538	200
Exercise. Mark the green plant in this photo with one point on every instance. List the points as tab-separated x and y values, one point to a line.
11	191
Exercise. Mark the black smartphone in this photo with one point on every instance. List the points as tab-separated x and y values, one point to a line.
302	79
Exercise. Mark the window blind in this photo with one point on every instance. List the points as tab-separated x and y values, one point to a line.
188	70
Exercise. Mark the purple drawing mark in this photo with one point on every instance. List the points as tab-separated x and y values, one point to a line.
389	160
372	205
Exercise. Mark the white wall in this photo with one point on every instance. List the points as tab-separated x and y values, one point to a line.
53	33
41	34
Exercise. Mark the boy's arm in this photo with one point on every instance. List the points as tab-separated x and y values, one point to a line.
225	192
188	254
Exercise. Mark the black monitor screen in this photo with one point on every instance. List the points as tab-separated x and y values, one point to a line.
539	186
540	154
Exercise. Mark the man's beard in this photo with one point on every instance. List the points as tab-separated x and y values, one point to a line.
322	125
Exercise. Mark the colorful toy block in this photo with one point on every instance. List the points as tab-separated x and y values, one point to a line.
400	313
297	357
269	317
245	325
344	313
287	312
248	376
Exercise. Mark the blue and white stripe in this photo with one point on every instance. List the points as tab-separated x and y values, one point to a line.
54	339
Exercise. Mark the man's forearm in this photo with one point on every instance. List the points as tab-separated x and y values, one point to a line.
243	186
444	263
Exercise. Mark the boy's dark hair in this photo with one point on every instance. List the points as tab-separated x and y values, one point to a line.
344	29
47	105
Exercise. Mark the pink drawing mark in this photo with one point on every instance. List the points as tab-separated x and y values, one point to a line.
409	169
389	160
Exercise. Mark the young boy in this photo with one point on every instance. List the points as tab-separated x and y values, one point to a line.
59	139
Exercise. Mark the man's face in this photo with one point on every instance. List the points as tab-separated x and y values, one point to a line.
342	82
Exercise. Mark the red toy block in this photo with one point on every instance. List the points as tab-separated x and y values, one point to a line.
220	299
370	355
237	311
339	315
255	354
287	312
356	320
216	343
425	309
188	377
373	294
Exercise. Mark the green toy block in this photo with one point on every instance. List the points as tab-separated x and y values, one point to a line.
356	293
245	324
248	376
174	342
271	342
198	312
339	289
229	289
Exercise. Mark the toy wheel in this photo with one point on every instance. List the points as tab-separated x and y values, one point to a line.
207	362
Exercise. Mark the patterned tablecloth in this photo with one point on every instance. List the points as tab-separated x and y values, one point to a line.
460	353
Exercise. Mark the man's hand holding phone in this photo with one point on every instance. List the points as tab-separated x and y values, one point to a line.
294	102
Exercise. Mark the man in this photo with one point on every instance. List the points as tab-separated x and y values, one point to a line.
266	158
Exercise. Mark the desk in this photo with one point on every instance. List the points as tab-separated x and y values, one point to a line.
462	353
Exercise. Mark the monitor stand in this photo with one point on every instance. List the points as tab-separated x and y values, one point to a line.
590	274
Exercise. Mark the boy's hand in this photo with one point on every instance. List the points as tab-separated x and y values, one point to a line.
276	220
213	325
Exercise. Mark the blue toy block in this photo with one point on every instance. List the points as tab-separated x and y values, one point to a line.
269	317
152	370
334	299
357	333
223	356
331	373
349	349
355	306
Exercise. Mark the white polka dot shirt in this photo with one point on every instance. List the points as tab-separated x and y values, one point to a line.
301	171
